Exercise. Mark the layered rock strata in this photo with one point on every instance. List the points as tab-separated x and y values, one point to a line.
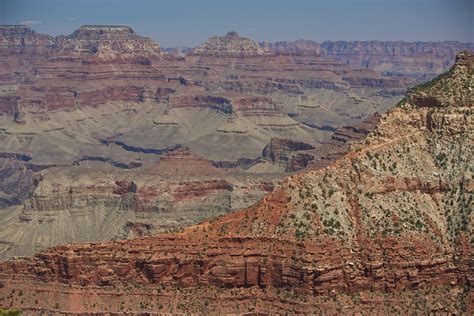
93	203
416	59
229	45
385	229
105	105
288	152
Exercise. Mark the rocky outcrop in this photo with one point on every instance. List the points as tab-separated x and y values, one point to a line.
347	134
299	161
204	101
104	41
108	41
439	91
341	139
243	163
20	38
229	45
287	152
388	222
253	264
16	181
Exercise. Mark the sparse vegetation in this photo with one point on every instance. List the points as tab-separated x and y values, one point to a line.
9	311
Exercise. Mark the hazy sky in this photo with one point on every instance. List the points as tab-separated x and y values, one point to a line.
190	22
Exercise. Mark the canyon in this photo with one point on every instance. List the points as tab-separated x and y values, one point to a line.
105	135
386	228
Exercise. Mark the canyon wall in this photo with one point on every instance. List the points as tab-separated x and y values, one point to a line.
107	106
385	229
416	59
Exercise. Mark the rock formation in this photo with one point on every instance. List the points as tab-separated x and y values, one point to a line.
298	47
288	152
229	45
105	41
91	202
16	181
415	59
108	41
20	37
384	229
106	106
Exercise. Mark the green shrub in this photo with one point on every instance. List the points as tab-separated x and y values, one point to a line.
9	312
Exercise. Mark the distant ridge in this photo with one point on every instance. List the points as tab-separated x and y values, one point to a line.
230	44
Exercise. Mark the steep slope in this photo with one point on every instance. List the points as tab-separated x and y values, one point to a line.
385	229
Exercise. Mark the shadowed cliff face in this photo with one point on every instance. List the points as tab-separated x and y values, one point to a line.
390	222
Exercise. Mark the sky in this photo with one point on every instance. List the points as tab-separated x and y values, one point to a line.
190	22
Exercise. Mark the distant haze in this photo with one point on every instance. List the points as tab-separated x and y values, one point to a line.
190	22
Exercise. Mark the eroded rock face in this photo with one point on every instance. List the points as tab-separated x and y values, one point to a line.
16	181
298	47
253	274
289	152
108	41
389	58
20	37
96	111
390	221
86	204
104	41
229	45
